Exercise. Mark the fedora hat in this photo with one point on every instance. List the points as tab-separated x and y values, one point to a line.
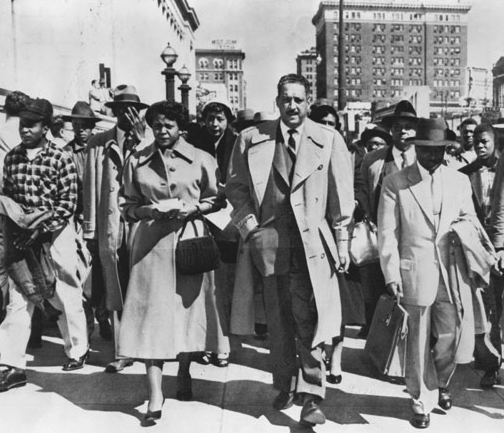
125	94
244	116
431	132
403	110
81	110
376	131
263	116
37	109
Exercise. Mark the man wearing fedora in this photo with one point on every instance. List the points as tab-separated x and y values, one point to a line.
105	232
38	175
417	206
375	167
83	121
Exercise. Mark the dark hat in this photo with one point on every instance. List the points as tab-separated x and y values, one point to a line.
37	109
244	116
125	94
376	131
431	132
81	110
403	110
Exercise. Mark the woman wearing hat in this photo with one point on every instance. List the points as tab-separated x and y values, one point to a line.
166	314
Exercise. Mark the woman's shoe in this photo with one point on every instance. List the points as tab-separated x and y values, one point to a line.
153	415
334	379
205	358
220	362
184	388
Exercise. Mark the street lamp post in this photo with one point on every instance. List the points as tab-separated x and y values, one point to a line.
169	57
184	88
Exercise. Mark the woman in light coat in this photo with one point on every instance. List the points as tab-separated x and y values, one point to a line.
167	314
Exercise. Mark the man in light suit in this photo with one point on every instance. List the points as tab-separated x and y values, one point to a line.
290	183
375	167
417	206
104	230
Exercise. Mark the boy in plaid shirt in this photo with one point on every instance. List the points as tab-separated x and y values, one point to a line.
39	175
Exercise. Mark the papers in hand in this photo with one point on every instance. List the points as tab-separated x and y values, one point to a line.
168	205
221	218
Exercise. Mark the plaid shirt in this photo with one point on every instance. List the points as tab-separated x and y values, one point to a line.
48	182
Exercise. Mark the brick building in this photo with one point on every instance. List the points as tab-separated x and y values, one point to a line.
390	45
219	71
306	65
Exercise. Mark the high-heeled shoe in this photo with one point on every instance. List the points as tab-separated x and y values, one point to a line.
154	415
184	388
334	378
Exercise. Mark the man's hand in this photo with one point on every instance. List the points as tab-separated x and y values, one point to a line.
500	260
25	240
137	124
394	289
344	259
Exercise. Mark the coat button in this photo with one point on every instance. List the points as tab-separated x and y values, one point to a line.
163	184
321	166
172	155
322	256
171	168
114	167
110	211
173	186
112	189
316	199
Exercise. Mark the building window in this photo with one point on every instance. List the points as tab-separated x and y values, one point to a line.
203	63
218	63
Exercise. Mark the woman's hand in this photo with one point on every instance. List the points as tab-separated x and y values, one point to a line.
186	211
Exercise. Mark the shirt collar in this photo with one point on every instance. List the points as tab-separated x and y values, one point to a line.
285	131
425	173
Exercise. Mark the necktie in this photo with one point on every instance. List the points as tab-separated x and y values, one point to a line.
436	194
291	142
129	144
404	162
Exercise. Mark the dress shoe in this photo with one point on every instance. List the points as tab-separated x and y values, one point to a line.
184	388
311	414
489	379
204	359
284	400
220	362
75	364
154	415
335	379
118	365
445	399
420	420
105	330
12	377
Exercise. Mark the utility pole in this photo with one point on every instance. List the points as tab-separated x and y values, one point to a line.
341	61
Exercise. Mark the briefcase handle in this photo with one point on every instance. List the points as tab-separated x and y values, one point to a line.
404	325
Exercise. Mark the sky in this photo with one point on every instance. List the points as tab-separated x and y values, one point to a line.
273	32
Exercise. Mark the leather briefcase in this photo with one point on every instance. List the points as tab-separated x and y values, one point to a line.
388	328
363	246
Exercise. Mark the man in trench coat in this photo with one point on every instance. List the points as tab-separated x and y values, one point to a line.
105	232
290	183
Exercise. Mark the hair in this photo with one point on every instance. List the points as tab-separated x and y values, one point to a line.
468	121
172	110
56	126
94	81
318	112
485	127
15	102
293	78
217	108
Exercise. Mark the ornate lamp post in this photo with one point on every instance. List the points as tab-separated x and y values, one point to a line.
169	57
184	88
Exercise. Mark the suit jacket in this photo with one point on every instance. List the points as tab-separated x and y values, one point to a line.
412	250
321	197
373	164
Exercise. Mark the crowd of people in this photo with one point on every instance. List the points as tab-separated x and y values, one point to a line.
100	218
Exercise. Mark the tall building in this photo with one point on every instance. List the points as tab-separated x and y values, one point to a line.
390	45
219	71
54	49
479	88
498	83
306	65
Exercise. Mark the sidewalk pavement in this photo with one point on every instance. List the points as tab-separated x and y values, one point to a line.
235	399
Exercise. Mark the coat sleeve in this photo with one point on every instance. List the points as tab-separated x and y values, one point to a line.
340	187
89	192
210	175
389	226
497	214
238	189
363	193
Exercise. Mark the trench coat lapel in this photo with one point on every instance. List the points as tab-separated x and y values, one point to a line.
448	202
309	155
282	162
260	159
421	192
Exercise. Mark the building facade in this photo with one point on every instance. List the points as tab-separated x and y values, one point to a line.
54	49
306	65
219	71
391	45
498	83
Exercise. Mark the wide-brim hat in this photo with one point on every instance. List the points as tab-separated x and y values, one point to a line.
37	109
264	116
376	131
81	111
244	116
403	110
125	94
431	132
499	123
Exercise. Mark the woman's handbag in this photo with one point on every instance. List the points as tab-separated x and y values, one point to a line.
198	254
363	246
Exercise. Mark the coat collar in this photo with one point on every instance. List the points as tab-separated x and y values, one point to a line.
181	148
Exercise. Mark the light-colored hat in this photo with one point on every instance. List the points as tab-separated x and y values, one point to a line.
263	116
125	94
